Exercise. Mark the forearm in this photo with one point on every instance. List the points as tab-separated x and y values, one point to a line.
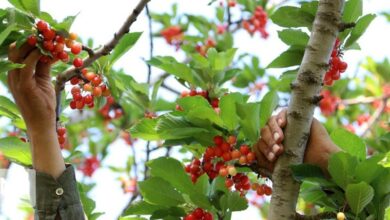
46	152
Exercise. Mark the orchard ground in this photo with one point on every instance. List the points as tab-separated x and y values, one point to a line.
99	20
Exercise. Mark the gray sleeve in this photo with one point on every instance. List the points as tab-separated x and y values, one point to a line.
54	199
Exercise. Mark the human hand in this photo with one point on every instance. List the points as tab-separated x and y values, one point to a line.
269	147
35	96
32	89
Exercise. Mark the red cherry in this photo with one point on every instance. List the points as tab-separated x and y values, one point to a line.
60	39
343	66
32	40
232	140
198	213
88	99
75	89
48	45
61	131
74	81
190	217
251	157
72	104
90	75
77	97
226	156
225	147
193	93
242	160
61	139
235	154
96	80
73	36
76	48
223	172
207	216
42	26
267	190
218	140
63	56
97	91
80	104
49	34
244	149
229	183
260	190
78	62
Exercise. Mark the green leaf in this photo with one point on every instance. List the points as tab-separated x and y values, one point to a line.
294	37
267	106
359	29
289	16
220	61
8	108
145	129
220	14
124	45
349	142
353	9
65	24
6	66
303	171
249	120
172	66
174	127
192	102
172	171
228	113
157	191
232	202
290	57
32	6
16	150
4	34
342	168
371	165
131	218
385	162
359	195
142	208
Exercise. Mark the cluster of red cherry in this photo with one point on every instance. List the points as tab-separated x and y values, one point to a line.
84	91
202	48
90	165
328	103
257	22
110	111
220	159
61	135
173	35
337	66
54	44
214	102
128	185
199	214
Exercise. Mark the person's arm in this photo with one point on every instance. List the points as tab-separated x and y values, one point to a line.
55	190
269	147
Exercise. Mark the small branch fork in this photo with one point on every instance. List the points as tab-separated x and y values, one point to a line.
62	78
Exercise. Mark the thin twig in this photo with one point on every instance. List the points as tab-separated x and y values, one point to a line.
319	216
362	100
165	86
151	45
146	168
90	52
62	78
229	18
375	117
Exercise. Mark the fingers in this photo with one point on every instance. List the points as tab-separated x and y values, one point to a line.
261	159
27	72
276	131
43	70
17	55
282	118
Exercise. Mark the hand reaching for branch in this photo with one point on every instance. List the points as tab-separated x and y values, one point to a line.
269	147
34	95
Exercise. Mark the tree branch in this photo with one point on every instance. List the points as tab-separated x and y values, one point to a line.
62	78
301	107
319	216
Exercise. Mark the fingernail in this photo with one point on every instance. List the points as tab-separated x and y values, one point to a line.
275	148
280	122
276	136
271	156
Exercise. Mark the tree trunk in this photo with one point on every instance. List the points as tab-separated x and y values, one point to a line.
305	91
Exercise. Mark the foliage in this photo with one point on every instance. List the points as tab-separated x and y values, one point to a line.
220	82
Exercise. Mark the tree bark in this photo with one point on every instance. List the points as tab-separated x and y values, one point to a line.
305	97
